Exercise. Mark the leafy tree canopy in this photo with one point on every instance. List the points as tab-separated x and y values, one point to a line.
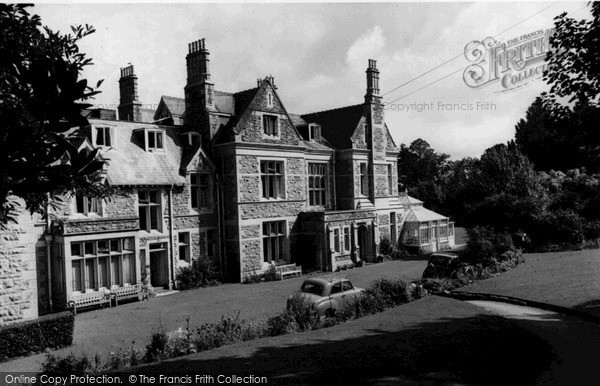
41	103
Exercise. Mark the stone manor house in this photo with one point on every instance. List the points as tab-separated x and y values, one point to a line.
231	177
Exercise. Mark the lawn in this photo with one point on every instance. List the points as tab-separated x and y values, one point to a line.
433	340
103	330
568	279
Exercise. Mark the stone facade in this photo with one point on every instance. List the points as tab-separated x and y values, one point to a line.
259	187
18	266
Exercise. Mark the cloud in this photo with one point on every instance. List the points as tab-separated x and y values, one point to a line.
368	46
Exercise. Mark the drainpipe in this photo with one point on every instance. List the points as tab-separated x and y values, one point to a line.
171	251
48	239
219	194
334	188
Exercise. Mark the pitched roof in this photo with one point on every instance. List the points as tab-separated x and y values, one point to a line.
407	200
317	145
224	102
148	115
422	214
129	164
297	120
337	125
175	105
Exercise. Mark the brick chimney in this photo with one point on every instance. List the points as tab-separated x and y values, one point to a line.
372	83
130	108
199	89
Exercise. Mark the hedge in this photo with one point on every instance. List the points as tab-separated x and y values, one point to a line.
33	336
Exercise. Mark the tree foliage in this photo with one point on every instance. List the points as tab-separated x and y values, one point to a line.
420	171
574	61
42	99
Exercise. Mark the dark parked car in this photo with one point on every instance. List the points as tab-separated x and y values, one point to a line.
441	265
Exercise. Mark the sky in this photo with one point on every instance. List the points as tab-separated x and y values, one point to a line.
318	54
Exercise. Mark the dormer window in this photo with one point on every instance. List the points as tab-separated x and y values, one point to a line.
87	205
103	137
314	132
154	140
270	125
192	138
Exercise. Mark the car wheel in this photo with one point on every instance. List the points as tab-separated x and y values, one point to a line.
330	313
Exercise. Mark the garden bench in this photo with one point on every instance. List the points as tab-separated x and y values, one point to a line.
89	299
288	270
128	292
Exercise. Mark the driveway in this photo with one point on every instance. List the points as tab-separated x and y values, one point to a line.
103	330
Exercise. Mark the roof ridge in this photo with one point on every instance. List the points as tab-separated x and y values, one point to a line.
243	91
330	110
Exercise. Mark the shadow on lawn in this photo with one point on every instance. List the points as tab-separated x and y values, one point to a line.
592	307
482	349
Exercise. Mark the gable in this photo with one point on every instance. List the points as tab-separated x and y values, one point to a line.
265	101
198	161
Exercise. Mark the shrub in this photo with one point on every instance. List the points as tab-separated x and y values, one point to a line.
304	314
281	324
386	247
71	364
122	358
47	332
201	273
228	330
485	244
158	348
269	275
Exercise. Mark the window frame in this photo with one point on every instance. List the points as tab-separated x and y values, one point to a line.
107	130
87	203
337	248
321	192
186	245
268	179
277	127
347	239
279	240
315	135
364	179
155	133
85	261
149	207
197	188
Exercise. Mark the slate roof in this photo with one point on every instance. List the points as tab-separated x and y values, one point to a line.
176	105
314	145
131	165
297	120
338	125
407	200
224	102
148	115
422	214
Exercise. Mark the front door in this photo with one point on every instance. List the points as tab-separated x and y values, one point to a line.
363	242
159	272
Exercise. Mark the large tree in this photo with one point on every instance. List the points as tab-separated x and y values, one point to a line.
574	61
41	103
420	171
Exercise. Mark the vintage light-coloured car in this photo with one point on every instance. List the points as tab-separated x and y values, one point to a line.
328	294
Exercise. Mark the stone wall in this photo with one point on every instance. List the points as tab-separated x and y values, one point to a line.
99	225
381	180
18	280
251	124
270	209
